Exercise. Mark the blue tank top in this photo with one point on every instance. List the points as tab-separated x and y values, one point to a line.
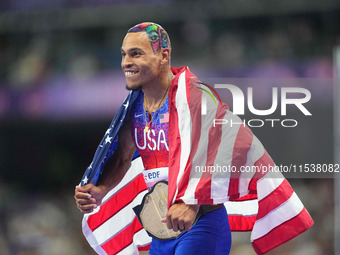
153	145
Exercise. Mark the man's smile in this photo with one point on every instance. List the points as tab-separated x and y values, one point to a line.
130	73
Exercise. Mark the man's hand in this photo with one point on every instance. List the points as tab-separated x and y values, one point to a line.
88	197
181	216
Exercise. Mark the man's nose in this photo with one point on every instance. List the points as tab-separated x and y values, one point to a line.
126	62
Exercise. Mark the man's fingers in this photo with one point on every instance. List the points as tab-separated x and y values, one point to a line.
168	222
85	188
87	208
79	189
188	225
86	201
80	195
83	198
89	211
181	226
175	224
86	211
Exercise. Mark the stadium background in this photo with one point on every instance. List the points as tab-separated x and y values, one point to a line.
61	83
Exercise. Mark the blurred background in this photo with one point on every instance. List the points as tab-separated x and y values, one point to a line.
61	84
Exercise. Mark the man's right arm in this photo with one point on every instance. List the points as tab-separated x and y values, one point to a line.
88	197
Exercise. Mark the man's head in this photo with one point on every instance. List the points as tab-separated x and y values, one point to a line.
145	54
158	37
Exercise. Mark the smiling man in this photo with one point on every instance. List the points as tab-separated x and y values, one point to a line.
161	119
146	64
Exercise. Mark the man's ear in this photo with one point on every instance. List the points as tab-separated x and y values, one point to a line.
165	55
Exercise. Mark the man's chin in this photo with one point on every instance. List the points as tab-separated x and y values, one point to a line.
133	87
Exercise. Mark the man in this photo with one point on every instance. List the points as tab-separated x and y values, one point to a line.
164	123
146	64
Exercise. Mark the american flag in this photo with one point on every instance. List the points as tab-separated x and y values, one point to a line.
164	118
262	202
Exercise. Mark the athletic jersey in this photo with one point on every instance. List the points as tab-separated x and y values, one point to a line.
153	145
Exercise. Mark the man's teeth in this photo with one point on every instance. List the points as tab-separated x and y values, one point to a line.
130	73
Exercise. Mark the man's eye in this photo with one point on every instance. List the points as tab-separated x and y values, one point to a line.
135	54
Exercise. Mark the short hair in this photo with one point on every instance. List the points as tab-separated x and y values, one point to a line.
158	37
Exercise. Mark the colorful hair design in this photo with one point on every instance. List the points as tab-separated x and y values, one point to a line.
158	37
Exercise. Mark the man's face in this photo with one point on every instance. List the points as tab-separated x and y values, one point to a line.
139	63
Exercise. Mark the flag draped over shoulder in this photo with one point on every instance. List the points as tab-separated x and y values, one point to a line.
261	201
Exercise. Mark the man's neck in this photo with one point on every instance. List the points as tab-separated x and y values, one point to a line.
155	93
